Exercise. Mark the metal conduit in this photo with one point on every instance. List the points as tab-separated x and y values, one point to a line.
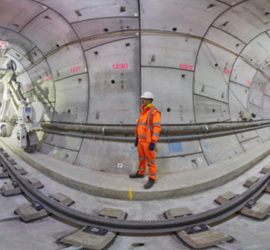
139	227
162	138
167	130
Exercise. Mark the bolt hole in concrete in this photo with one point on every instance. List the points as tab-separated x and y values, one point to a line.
78	13
113	81
127	45
183	75
224	24
213	110
96	52
174	29
122	9
216	64
168	109
69	111
139	244
57	45
105	30
210	6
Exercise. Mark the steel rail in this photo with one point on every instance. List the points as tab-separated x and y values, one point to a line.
162	138
135	226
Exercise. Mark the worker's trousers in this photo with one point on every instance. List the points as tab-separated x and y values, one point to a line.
146	157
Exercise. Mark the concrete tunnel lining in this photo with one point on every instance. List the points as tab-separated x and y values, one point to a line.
145	71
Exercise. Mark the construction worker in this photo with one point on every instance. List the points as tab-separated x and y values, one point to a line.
147	135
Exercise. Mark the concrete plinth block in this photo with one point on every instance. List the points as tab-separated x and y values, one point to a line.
30	212
62	198
267	190
256	210
3	173
225	197
90	237
113	213
177	212
12	161
20	170
10	188
202	236
35	182
250	181
265	169
5	154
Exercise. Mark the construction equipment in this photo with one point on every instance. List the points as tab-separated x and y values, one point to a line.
16	107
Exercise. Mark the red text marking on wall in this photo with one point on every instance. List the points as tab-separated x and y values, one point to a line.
120	66
3	44
249	82
262	90
227	71
47	78
186	66
75	69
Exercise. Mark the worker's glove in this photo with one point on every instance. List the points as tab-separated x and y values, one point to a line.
136	142
152	146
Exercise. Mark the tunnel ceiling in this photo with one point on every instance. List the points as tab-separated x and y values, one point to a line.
89	61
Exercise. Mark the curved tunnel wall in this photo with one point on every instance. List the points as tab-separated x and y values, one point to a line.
204	60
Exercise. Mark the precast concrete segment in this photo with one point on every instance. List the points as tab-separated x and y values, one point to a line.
265	169
118	186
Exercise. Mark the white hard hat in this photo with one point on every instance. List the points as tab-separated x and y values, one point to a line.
147	95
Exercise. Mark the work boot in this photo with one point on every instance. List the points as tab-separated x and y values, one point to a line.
149	184
136	175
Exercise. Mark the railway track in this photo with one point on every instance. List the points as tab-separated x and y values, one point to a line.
176	220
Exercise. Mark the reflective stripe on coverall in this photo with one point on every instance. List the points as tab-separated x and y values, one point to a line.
147	131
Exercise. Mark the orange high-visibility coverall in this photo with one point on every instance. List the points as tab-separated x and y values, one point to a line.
147	131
